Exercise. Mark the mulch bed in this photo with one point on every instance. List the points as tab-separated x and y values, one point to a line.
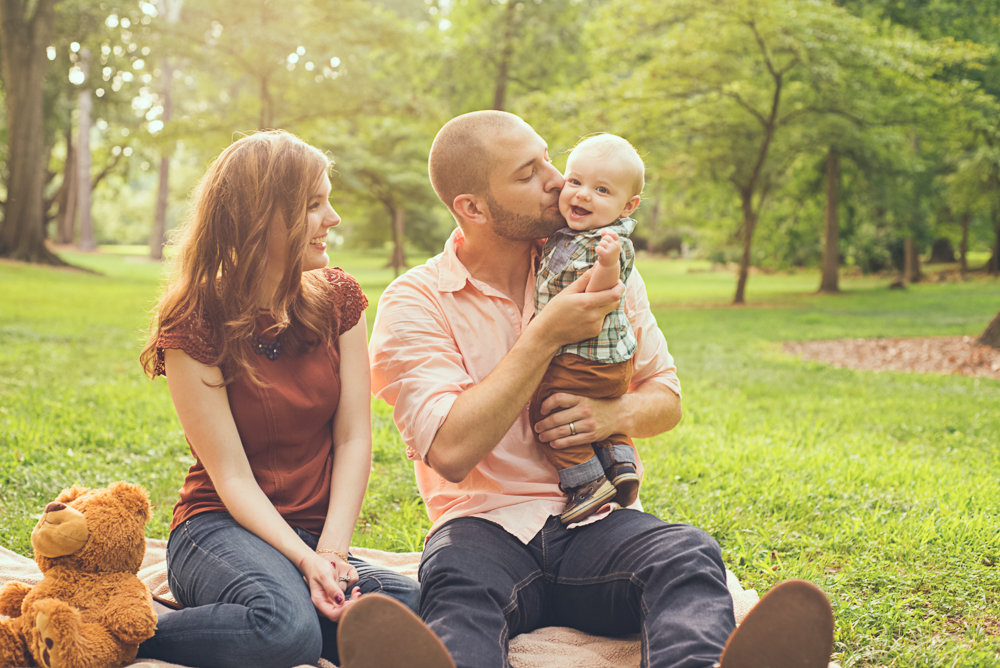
940	354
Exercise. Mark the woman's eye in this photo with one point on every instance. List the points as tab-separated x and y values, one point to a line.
314	206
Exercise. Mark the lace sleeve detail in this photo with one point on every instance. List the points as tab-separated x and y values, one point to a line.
349	302
191	336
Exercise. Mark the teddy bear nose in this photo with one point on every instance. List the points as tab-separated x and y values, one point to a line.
54	506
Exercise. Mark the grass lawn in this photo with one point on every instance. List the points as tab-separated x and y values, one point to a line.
879	487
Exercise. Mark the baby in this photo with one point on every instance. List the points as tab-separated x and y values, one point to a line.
604	177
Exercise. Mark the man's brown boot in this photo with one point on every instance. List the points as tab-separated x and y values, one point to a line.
380	632
791	627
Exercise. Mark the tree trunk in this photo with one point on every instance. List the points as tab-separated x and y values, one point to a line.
66	214
398	260
83	161
991	337
506	53
911	261
749	222
158	236
831	252
963	248
993	266
23	63
171	9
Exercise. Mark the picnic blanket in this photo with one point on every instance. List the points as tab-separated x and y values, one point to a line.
544	648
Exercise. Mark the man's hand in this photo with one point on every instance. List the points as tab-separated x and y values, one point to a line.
574	314
593	420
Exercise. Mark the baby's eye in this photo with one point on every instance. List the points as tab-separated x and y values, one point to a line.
602	190
574	182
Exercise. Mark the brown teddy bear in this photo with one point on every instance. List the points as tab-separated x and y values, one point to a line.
90	610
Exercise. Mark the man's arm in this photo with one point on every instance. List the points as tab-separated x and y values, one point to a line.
483	413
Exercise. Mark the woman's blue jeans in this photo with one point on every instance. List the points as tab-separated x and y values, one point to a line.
245	603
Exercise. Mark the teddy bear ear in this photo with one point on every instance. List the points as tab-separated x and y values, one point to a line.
71	494
133	497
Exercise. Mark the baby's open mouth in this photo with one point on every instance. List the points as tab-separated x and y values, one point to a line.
578	211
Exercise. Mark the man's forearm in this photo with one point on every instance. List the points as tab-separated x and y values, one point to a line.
482	414
649	410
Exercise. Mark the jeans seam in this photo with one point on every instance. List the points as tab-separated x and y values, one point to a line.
270	616
504	631
609	577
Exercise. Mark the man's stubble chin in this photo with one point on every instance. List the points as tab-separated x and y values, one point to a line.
524	227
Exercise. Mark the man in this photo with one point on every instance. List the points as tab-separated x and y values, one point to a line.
455	350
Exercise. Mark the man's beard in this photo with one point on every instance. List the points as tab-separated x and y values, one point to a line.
522	227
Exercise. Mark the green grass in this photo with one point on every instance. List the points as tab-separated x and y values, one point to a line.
879	487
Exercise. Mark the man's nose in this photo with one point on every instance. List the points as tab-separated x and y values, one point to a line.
554	180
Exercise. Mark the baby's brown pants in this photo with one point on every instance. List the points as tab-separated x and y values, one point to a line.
586	378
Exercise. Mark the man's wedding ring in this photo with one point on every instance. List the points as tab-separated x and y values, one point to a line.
572	429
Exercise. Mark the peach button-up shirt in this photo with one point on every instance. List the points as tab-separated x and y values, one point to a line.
438	332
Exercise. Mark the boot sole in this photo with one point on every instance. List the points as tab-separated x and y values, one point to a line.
628	489
791	627
380	632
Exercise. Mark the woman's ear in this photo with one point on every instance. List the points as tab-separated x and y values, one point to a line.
472	208
630	207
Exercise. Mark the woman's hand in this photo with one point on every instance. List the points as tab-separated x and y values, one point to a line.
593	420
343	570
324	588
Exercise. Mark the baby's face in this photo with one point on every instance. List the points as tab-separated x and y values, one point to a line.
596	191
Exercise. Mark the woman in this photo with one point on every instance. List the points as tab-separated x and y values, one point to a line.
264	349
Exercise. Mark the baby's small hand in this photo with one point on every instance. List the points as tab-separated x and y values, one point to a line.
608	249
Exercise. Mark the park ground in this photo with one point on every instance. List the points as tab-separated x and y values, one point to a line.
881	487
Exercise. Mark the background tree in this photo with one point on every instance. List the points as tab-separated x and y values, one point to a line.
26	30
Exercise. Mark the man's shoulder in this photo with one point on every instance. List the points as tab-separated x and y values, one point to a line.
421	279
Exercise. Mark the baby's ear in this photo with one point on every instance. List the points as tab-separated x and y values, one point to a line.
631	206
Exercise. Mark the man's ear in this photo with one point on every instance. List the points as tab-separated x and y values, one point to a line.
472	208
630	207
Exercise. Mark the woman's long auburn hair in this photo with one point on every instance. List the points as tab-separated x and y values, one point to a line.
261	180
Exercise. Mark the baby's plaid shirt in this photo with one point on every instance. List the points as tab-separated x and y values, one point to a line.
567	254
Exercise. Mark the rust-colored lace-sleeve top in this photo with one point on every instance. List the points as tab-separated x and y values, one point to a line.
287	426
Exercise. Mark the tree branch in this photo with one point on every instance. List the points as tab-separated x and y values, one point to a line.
746	105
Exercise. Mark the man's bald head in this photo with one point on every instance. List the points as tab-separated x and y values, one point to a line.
464	153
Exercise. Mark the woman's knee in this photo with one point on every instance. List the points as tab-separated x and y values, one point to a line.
291	638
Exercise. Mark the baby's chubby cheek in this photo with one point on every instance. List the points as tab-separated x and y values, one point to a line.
564	198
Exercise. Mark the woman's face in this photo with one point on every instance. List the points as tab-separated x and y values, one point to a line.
320	217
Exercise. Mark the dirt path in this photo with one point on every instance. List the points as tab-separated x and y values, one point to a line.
941	354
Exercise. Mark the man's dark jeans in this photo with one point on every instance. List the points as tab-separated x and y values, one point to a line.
627	573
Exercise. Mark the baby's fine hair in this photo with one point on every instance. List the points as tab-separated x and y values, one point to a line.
613	146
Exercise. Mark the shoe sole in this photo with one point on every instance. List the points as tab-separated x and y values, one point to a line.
791	627
605	493
627	485
380	632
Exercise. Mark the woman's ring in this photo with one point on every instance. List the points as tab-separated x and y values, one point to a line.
572	429
344	578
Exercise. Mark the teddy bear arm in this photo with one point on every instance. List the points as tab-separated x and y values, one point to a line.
12	595
129	615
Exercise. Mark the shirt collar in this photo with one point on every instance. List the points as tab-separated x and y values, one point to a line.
453	275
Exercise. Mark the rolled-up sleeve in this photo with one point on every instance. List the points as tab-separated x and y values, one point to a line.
416	365
652	361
